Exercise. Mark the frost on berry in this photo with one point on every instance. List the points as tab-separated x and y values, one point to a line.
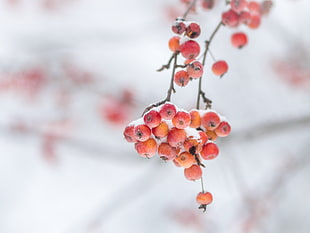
129	134
209	151
223	129
179	27
210	120
195	119
167	111
195	69
181	120
142	132
166	152
192	30
185	159
181	78
161	130
176	137
152	118
146	148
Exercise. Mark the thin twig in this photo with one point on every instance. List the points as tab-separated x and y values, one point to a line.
191	5
201	94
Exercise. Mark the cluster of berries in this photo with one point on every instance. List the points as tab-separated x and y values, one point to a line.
185	138
247	13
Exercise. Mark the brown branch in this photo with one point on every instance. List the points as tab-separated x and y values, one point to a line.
171	87
191	5
201	94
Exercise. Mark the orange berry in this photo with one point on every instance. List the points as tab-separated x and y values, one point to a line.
255	21
223	129
204	198
210	120
185	159
142	132
147	148
203	137
161	130
166	152
176	137
181	120
209	151
129	134
195	119
254	6
211	135
192	145
193	173
174	44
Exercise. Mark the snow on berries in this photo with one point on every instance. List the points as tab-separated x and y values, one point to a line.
187	138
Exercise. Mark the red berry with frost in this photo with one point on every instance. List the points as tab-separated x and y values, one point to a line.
192	30
178	27
239	39
166	152
185	159
190	49
129	134
195	69
152	118
230	18
223	129
142	132
210	120
181	78
238	5
147	148
181	120
209	151
193	173
167	111
176	137
219	68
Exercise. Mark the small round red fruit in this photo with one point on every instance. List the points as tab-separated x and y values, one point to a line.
193	173
239	39
219	68
181	78
209	151
195	69
142	132
152	118
181	120
174	44
230	18
204	198
192	30
223	129
167	111
147	148
178	27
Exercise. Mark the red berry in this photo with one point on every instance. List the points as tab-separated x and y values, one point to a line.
174	44
209	151
195	119
142	132
219	68
254	7
176	137
207	4
238	5
181	78
210	120
193	30
255	21
223	129
245	17
167	111
193	173
129	134
152	119
204	198
181	120
178	27
190	49
230	18
167	152
147	148
239	39
195	69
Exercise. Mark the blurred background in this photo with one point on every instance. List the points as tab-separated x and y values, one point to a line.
74	73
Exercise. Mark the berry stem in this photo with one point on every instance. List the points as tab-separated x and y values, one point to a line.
201	94
191	5
202	185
